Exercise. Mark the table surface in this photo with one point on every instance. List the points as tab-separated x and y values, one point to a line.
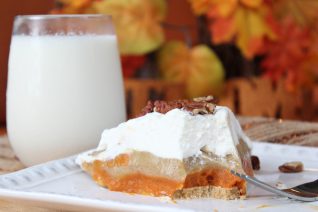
257	128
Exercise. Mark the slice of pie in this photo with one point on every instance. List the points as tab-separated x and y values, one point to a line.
180	149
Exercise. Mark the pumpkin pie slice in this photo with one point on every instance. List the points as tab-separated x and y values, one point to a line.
180	149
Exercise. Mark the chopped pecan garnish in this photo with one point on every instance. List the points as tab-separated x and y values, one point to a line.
291	167
164	107
200	105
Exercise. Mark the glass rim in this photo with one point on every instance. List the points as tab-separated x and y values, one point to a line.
58	16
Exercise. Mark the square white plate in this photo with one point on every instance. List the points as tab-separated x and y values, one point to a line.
62	184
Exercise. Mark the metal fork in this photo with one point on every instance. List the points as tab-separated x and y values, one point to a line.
307	192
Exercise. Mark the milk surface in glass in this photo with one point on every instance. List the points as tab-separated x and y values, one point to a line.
60	92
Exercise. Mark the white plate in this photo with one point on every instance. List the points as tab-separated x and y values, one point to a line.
61	184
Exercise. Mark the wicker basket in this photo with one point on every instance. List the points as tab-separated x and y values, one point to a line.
260	97
247	97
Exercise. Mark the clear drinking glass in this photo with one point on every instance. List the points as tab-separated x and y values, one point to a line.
64	85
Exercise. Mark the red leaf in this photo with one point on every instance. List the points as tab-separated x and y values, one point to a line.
130	64
288	55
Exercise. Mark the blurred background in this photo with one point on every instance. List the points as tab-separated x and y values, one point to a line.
259	57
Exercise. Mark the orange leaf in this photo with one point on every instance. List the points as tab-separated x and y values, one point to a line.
247	27
223	30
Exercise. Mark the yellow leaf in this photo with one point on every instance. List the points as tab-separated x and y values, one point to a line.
226	8
199	68
172	60
137	23
251	28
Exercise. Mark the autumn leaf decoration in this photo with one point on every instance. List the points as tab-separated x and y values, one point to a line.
138	23
245	22
197	67
283	32
290	56
294	55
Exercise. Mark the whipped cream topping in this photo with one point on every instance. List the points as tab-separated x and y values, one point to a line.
176	134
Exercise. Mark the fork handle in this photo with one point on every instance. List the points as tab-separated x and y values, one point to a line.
272	189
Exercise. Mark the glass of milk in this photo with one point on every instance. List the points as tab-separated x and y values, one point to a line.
65	85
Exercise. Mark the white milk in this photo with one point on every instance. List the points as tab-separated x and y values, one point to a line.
62	92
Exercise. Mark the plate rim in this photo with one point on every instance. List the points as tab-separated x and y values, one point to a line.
62	199
10	194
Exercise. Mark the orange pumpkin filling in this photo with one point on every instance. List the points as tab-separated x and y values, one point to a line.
215	177
135	182
107	174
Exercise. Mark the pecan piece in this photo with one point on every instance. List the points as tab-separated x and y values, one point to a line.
291	167
255	162
211	107
147	109
204	99
200	111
